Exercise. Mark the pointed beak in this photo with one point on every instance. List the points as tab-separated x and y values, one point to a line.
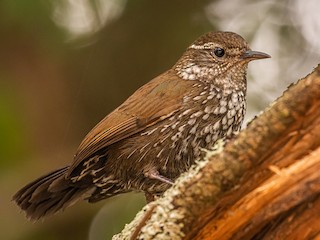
254	55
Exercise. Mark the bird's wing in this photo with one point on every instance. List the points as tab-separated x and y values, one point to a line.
153	102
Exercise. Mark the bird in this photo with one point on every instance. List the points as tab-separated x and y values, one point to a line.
157	133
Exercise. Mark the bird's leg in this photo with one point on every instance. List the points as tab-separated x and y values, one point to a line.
154	174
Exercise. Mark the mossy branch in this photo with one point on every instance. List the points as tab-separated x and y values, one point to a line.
252	187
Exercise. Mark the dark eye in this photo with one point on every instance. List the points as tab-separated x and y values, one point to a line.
219	52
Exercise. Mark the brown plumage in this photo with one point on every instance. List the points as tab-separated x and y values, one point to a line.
157	133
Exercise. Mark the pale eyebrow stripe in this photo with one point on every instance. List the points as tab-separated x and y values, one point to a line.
208	45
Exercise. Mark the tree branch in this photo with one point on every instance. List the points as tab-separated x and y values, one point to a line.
259	177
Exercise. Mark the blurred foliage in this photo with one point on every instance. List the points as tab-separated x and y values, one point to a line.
65	64
13	140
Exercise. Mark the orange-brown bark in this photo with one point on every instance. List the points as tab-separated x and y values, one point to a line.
264	184
295	121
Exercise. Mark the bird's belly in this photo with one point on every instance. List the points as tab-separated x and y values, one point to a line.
172	146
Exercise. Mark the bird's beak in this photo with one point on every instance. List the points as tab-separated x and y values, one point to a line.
254	55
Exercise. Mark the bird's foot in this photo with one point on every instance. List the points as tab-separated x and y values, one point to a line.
149	197
154	174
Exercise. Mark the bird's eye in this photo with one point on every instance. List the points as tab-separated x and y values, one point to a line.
219	52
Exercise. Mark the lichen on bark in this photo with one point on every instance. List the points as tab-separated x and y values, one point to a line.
278	141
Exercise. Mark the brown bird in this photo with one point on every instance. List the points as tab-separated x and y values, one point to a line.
157	133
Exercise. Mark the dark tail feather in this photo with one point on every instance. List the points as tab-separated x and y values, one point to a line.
49	194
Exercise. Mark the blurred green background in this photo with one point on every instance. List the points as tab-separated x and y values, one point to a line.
65	64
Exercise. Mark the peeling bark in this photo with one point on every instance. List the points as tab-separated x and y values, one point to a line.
264	184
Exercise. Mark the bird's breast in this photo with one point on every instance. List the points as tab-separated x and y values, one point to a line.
175	142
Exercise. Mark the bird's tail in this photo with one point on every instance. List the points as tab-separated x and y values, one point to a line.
49	194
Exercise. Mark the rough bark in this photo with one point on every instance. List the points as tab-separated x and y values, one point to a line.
263	184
